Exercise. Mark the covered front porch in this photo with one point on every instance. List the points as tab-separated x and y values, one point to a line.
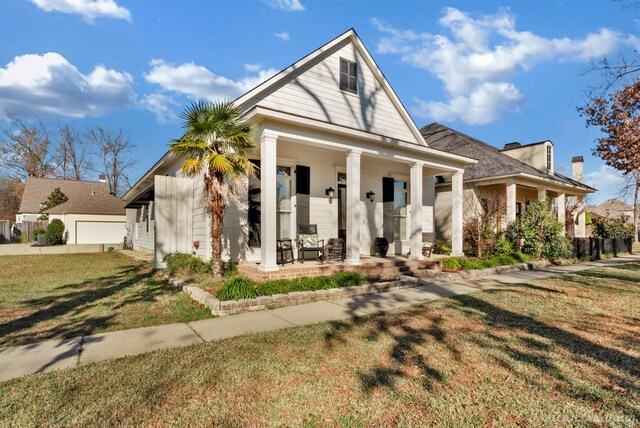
348	188
518	193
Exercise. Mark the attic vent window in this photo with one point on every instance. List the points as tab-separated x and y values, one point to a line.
348	76
549	158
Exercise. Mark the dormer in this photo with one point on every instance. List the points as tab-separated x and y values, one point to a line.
538	155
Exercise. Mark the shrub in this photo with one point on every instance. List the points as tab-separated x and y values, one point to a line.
540	231
558	249
55	232
608	227
185	263
36	232
441	247
502	246
236	288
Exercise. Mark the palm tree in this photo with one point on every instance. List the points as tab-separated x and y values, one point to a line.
218	142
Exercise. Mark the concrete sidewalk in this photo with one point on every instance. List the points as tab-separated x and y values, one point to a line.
45	356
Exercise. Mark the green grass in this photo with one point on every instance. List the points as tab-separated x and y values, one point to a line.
67	295
564	351
470	263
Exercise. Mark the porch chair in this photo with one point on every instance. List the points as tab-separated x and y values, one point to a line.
427	244
308	240
284	251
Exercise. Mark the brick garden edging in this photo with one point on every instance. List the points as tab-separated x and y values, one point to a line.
232	307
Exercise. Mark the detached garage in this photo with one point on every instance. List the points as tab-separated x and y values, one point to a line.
92	219
91	214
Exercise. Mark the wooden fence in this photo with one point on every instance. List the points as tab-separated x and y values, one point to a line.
26	228
593	248
5	232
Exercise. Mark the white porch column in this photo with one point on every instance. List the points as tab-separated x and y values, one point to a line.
581	231
416	211
457	211
353	207
268	200
511	201
562	213
542	194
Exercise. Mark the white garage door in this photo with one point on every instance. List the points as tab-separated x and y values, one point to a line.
99	232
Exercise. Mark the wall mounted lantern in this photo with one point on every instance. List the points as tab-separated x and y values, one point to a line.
371	195
330	193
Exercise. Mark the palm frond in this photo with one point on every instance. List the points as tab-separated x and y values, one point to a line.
191	166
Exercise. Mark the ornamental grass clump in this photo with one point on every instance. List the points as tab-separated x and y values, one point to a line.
237	288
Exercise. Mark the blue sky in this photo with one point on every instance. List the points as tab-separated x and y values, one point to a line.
500	72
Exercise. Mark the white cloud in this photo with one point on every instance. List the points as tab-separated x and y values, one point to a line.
49	85
88	9
287	5
484	105
608	181
253	68
476	58
284	36
197	82
161	105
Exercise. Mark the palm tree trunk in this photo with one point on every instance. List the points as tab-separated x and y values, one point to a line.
218	210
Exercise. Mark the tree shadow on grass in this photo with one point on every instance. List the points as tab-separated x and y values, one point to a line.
78	311
528	341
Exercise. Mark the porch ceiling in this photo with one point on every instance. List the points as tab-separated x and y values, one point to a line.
142	199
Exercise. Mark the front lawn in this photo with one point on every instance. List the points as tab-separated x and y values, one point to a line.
66	295
564	351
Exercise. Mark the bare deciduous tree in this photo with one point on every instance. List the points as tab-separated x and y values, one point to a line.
10	195
483	218
73	154
26	151
113	149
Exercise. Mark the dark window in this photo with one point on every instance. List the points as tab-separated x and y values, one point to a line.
348	76
548	158
254	206
518	209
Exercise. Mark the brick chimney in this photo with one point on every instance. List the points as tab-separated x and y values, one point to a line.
577	168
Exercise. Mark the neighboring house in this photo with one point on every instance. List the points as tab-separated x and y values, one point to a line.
612	208
91	215
518	174
336	148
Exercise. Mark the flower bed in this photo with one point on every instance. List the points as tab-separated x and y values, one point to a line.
230	307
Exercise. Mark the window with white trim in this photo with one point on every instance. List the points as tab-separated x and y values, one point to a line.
549	158
283	207
348	76
400	209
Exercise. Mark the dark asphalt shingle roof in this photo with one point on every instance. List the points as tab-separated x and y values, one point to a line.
491	161
86	197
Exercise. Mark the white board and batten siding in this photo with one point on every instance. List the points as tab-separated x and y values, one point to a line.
314	92
173	205
201	221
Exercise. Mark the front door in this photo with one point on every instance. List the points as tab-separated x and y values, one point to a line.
342	206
